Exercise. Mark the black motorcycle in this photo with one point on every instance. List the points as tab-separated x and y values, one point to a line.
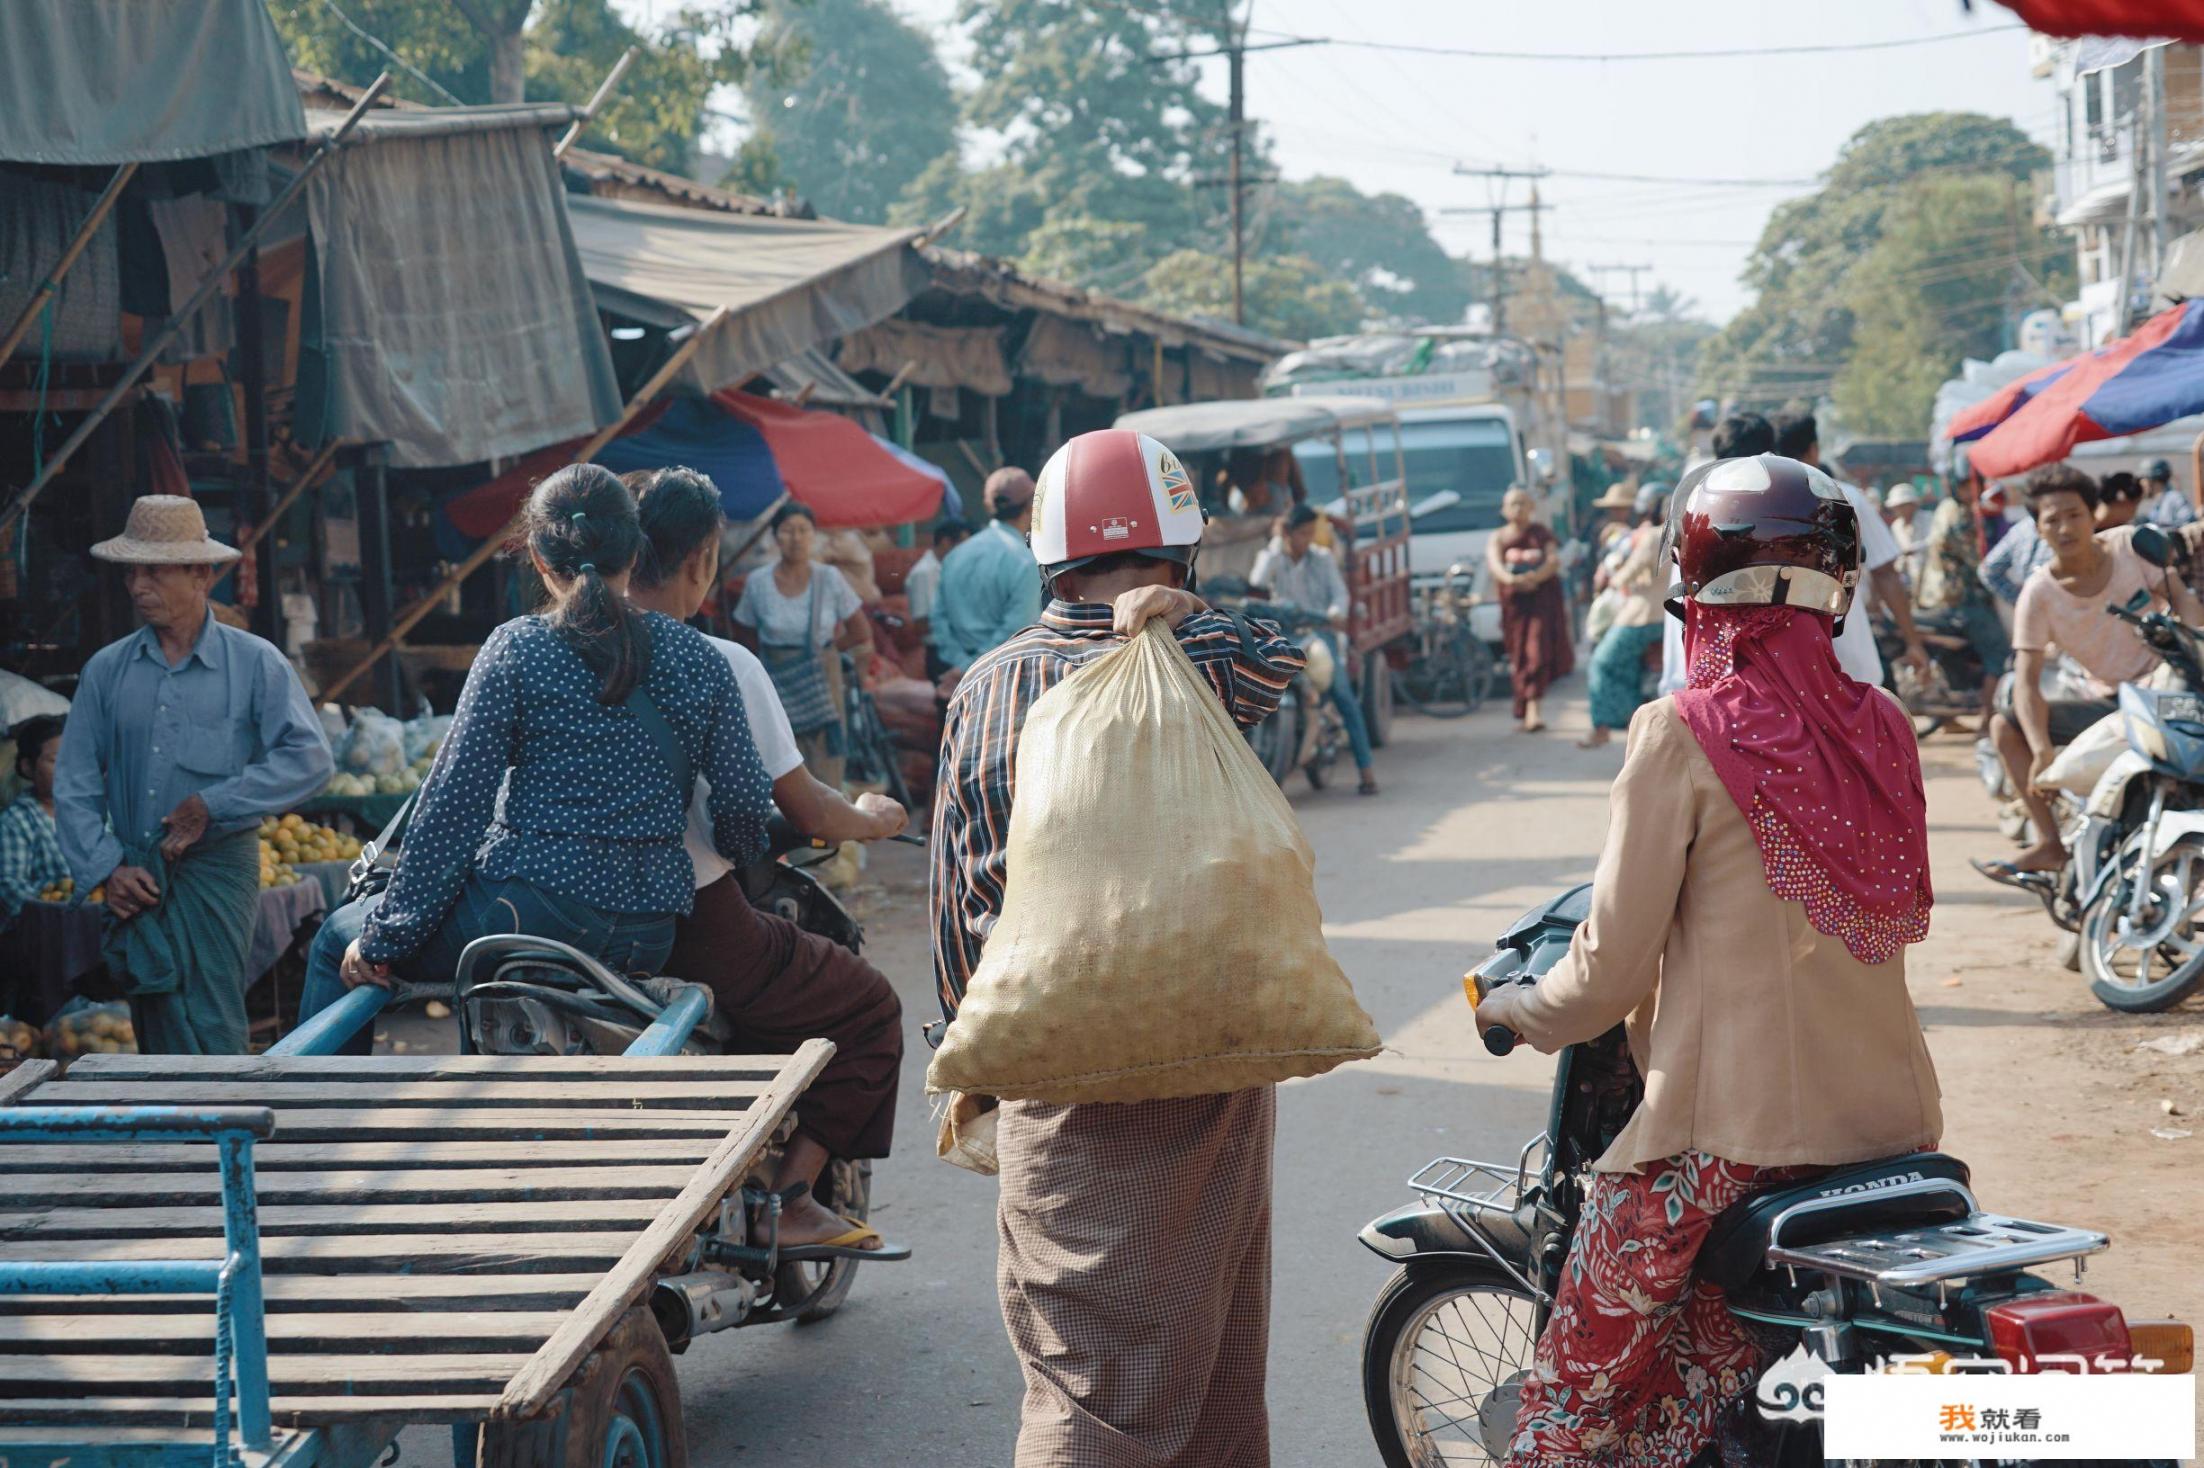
1885	1259
1950	687
524	995
1305	732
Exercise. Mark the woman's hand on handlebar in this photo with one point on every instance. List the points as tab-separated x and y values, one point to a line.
356	970
1494	1018
889	818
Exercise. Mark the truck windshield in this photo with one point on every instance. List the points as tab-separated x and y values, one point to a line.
1474	457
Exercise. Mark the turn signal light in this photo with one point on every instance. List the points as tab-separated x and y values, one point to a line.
2168	1342
2073	1329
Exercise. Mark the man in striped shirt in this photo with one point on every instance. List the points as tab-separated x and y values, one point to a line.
1139	1309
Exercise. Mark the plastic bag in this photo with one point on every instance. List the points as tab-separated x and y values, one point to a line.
2083	762
424	735
375	747
81	1027
1160	934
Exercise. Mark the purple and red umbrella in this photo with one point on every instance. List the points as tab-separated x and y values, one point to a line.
2142	381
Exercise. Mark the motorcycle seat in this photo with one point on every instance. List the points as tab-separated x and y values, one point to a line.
1737	1245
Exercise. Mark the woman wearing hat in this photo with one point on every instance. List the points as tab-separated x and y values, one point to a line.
182	737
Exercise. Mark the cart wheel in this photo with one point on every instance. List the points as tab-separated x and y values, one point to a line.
1377	699
622	1411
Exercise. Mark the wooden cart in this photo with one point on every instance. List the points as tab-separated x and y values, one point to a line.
473	1240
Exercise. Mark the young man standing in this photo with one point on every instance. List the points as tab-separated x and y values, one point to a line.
988	588
1134	1239
1297	572
2063	605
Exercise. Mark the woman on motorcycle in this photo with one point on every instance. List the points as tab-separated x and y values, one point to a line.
1766	866
557	802
775	983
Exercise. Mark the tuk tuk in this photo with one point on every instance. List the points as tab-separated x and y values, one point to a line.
1369	518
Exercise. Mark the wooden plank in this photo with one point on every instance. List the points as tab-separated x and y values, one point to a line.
490	1124
170	1157
343	1374
299	1410
730	1096
360	1185
26	1074
468	1331
70	1221
530	1390
346	1293
380	1070
362	1253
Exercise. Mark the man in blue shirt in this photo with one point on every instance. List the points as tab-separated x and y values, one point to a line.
182	737
989	588
2163	503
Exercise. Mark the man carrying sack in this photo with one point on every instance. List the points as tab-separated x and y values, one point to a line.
1134	1263
183	735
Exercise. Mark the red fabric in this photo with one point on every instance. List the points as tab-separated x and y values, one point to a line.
833	465
2048	428
1825	770
2179	20
2000	405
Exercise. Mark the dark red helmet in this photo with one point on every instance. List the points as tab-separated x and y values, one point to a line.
1765	531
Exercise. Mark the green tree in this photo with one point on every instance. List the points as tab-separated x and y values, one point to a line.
549	50
1912	254
1381	244
1101	119
868	107
1286	295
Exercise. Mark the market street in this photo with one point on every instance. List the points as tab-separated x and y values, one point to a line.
2045	1096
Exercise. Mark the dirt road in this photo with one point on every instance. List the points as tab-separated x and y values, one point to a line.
2044	1090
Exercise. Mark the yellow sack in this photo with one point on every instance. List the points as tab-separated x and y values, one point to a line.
1159	934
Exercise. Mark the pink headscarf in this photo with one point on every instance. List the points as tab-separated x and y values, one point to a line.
1825	770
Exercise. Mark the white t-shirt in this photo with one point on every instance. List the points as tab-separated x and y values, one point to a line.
1856	652
776	751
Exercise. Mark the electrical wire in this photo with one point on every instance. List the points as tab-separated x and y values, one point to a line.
379	44
1731	53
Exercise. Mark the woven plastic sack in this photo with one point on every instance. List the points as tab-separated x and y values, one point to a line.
1159	934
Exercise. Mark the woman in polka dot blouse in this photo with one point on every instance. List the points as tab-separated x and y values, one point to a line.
553	809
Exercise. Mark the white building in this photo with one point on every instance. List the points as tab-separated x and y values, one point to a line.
2101	139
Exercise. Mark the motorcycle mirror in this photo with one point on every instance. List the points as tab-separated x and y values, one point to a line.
2139	601
2151	544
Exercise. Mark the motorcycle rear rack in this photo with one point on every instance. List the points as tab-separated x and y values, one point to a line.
1937	1254
1465	1190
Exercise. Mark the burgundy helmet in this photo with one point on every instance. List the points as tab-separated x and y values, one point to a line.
1764	531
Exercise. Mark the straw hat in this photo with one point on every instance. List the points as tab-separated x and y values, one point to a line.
1901	496
165	530
1619	496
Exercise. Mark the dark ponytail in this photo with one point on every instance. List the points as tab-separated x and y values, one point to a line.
581	524
679	512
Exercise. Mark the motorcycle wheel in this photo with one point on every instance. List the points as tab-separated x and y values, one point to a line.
1450	680
814	1290
2157	968
1377	699
1442	1334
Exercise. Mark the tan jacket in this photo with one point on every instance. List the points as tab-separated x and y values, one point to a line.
1761	1040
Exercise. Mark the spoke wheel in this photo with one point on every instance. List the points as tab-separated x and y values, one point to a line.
1449	675
1443	1360
2140	965
621	1409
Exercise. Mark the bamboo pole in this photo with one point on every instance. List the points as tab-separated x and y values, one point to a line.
289	497
101	208
183	314
491	545
604	90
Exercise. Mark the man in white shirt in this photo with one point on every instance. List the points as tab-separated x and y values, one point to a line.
922	583
1297	572
775	983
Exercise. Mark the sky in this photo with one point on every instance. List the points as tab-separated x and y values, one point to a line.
1391	120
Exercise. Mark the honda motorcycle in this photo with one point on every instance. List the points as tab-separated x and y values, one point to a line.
1865	1264
519	994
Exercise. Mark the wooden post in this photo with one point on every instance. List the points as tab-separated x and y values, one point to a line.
597	100
491	545
267	617
370	494
101	208
289	497
179	315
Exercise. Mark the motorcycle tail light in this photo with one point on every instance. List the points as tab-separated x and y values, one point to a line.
2169	1343
2080	1329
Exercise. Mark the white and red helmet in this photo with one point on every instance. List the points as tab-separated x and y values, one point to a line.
1109	491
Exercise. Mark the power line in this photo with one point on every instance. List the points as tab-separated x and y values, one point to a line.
1754	52
379	44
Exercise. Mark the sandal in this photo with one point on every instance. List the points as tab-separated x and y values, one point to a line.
847	1245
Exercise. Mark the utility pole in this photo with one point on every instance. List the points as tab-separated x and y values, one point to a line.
2154	107
1499	209
1633	271
1238	112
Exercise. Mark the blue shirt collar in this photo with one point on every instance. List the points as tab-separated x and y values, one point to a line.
208	649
